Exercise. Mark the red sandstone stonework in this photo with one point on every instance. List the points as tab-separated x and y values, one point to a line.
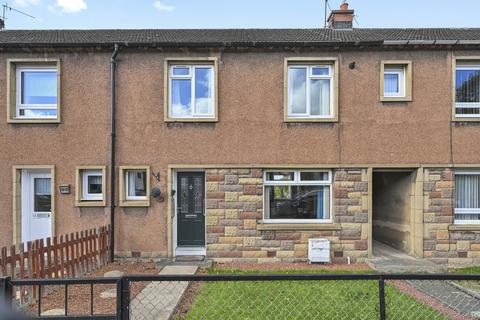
234	219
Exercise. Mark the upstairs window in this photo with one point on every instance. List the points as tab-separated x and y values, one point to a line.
33	91
297	196
467	197
396	81
310	91
467	90
36	93
191	92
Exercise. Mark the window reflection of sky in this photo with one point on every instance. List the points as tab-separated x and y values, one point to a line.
183	104
39	87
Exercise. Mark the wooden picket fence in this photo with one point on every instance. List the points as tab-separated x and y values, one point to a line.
65	256
58	257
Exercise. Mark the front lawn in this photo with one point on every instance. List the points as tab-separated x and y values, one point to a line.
469	284
330	299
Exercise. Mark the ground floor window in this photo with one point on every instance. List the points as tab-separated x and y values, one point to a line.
297	196
90	187
467	197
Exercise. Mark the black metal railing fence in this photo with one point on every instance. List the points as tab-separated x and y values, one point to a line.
230	296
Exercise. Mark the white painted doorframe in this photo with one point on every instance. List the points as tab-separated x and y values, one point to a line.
186	251
35	225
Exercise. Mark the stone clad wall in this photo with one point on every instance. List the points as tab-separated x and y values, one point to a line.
443	244
235	232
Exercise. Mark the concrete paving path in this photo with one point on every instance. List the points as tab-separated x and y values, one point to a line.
452	295
158	299
389	260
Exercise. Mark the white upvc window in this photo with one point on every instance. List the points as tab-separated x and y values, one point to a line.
297	196
467	90
467	197
394	81
136	184
36	92
310	91
92	183
191	91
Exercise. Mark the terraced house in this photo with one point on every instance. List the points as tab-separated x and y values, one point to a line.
241	145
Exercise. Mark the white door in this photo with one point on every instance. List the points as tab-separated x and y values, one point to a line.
36	205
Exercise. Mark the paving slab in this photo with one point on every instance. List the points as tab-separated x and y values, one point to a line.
451	295
108	294
158	300
113	274
53	312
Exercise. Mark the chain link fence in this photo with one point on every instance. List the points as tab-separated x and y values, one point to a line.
309	297
370	296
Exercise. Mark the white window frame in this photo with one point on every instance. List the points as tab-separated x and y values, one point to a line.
465	105
400	71
127	185
466	210
297	182
191	76
19	106
310	76
86	196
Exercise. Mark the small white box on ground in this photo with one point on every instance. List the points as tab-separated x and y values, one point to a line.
318	250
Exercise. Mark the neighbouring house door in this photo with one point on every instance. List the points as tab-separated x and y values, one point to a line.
36	205
190	209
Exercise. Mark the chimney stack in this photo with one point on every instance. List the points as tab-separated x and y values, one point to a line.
341	19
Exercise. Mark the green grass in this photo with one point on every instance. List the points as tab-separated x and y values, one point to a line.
469	284
301	299
466	270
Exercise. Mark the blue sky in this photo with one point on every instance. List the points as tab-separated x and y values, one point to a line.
104	14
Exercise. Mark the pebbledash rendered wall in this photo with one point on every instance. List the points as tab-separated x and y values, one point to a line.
445	242
235	232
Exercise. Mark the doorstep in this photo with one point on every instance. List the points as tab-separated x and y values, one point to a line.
186	261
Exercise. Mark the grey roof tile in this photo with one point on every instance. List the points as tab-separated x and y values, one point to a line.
235	37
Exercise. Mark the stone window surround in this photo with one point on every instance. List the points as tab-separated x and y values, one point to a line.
333	61
79	202
407	65
12	88
166	97
123	201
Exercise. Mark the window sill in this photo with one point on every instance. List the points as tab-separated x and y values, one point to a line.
134	203
464	227
191	120
466	119
396	99
299	226
16	120
334	119
92	203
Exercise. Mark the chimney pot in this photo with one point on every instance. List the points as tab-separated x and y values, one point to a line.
344	6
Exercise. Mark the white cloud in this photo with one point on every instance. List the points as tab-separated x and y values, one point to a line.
26	3
162	7
71	6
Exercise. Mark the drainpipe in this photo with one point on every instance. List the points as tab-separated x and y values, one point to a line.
113	67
